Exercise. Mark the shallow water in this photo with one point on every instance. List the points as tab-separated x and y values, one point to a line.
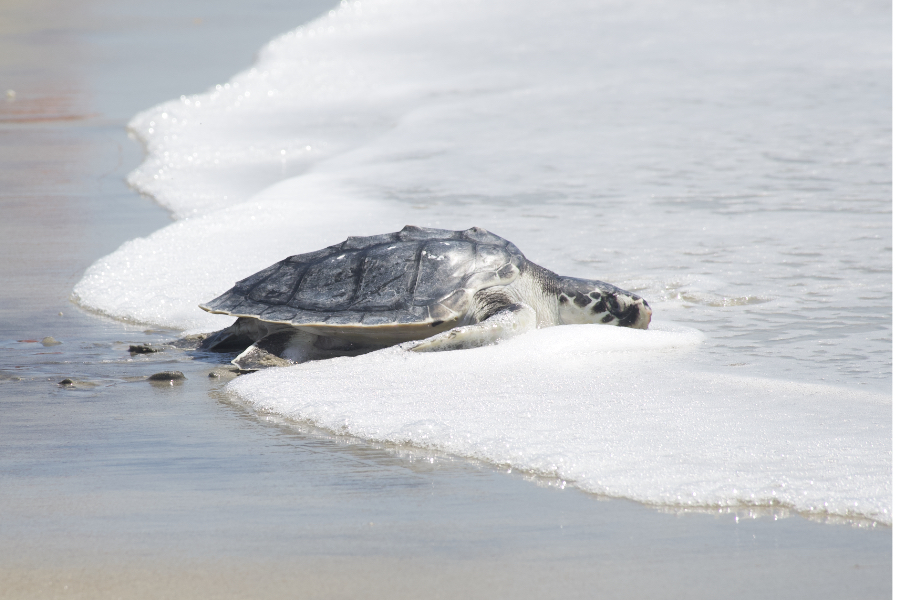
118	487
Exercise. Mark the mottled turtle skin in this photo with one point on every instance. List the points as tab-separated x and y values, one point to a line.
409	285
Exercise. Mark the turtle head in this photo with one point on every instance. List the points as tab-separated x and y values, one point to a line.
586	301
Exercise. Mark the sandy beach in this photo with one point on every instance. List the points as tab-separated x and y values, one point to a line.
115	487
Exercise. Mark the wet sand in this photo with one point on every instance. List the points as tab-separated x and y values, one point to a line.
116	487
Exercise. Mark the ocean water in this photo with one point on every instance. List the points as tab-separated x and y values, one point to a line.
729	162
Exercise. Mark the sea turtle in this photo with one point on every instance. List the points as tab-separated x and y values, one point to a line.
426	289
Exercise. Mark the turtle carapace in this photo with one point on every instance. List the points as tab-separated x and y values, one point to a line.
428	289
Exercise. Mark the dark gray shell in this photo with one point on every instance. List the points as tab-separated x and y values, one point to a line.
415	276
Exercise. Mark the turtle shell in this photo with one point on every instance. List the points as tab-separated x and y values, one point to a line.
400	281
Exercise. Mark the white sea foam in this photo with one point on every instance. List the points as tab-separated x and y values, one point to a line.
612	411
738	177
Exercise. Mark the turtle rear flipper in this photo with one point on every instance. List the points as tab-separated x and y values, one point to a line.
266	353
241	334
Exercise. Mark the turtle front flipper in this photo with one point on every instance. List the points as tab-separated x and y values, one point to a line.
511	321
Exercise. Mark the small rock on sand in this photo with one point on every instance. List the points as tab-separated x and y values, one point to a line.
143	349
167	376
224	373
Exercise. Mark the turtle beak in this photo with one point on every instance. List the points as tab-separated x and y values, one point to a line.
637	315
